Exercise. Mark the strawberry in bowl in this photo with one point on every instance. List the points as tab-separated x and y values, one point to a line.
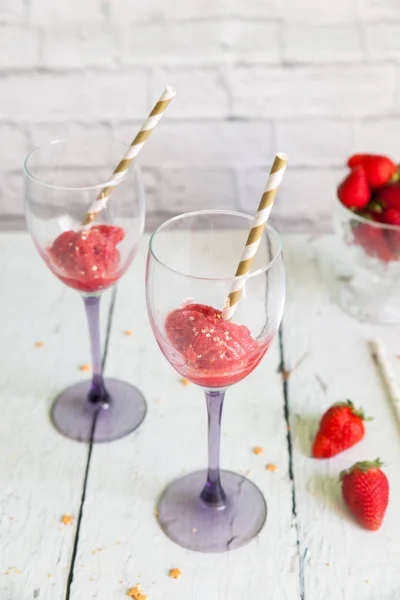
367	219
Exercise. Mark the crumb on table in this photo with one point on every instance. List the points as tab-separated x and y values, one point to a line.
39	344
128	332
258	450
85	368
285	374
271	467
184	381
136	594
175	573
67	519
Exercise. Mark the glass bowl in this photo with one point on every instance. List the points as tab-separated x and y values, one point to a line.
372	291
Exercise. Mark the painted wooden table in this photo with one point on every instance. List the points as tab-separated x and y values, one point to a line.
310	548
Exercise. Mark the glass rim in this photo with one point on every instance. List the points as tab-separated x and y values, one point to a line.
98	186
364	220
233	278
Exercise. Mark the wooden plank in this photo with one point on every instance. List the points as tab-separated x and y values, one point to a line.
41	472
120	542
341	560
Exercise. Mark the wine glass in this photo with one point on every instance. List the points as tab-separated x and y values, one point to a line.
63	179
370	289
189	275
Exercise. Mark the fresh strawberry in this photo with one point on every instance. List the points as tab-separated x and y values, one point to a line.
373	241
389	195
378	169
391	216
341	426
354	192
365	490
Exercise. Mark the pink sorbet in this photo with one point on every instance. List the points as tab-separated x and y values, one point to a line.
89	260
217	353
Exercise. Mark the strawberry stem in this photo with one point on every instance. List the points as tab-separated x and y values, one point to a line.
374	206
358	412
364	466
396	176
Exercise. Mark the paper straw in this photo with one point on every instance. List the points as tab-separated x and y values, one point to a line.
120	171
386	374
256	232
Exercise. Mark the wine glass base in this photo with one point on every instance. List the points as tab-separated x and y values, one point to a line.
189	522
76	418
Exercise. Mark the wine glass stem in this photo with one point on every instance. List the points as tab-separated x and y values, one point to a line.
212	493
97	393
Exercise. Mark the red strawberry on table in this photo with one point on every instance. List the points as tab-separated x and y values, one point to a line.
354	192
341	426
378	169
365	490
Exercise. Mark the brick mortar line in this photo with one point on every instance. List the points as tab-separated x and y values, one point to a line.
144	68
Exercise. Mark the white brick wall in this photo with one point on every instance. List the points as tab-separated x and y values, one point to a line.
73	96
318	79
352	91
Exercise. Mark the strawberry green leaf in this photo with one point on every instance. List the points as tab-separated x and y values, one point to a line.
358	412
396	176
364	466
374	206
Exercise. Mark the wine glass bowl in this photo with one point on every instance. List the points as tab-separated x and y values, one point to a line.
63	180
192	256
370	290
191	264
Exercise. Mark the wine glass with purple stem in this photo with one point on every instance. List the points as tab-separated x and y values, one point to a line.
189	275
63	179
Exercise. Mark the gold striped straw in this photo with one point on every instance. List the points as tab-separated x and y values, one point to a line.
256	232
120	171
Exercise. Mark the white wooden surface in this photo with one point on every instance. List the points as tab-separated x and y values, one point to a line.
321	553
41	472
340	560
